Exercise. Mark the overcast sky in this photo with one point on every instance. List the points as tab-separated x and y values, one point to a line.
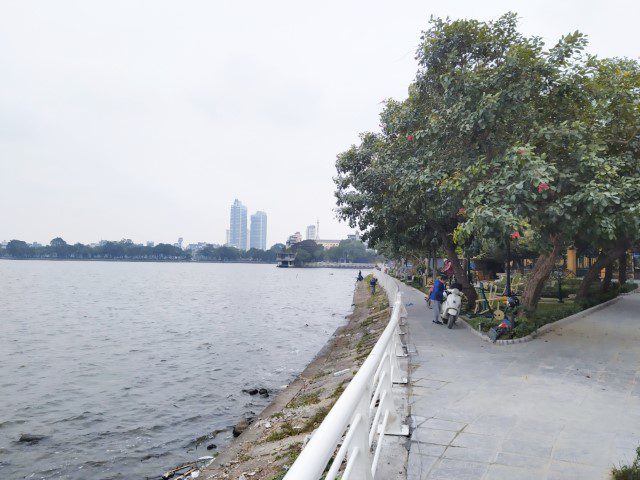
145	119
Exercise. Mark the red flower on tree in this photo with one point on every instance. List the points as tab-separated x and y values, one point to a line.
542	187
521	151
410	138
515	235
461	211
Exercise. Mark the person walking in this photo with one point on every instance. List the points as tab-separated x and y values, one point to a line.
373	282
436	298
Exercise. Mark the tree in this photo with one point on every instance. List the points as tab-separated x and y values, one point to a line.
18	249
499	138
58	242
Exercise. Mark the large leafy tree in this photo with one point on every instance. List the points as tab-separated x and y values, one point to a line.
499	137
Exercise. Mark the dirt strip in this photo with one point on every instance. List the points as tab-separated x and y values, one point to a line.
273	441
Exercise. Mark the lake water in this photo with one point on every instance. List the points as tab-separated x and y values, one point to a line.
122	367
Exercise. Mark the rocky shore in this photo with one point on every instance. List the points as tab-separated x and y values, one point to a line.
267	445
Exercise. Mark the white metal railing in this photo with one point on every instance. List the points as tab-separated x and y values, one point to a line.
363	414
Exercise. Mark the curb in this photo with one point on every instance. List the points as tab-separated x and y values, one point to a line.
544	328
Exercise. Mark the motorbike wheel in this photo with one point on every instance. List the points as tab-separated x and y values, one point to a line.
452	320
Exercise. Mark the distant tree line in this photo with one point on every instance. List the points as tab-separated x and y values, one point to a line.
127	250
306	251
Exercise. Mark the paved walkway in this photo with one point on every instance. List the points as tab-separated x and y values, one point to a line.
564	406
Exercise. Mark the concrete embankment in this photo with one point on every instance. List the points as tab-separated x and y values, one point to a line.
270	444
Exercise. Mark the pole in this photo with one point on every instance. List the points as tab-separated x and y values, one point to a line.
508	267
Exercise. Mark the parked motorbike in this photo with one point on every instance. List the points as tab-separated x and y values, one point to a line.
451	306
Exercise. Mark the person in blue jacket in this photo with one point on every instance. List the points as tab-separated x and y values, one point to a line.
436	299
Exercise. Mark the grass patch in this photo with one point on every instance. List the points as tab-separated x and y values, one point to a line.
304	400
279	476
286	430
628	472
366	338
312	423
338	391
290	453
278	415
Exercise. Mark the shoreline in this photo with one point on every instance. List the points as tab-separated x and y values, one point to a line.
140	260
272	441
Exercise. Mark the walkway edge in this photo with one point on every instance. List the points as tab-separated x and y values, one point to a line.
544	328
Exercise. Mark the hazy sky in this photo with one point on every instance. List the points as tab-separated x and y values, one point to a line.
145	119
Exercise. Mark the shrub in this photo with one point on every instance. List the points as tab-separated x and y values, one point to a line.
628	472
628	287
599	297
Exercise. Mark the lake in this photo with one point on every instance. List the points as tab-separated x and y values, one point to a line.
125	369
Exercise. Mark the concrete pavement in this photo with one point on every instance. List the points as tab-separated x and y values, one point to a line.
564	406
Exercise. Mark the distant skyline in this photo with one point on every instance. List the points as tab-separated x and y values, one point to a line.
145	119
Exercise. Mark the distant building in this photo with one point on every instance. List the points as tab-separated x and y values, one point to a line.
293	239
328	243
312	232
194	247
150	244
353	236
238	225
258	232
285	259
228	238
180	242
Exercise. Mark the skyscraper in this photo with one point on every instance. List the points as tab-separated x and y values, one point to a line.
238	225
258	231
312	232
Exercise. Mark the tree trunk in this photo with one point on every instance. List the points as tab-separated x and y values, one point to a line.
608	274
540	273
622	269
604	259
461	275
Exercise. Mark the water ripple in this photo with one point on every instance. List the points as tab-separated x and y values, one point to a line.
128	368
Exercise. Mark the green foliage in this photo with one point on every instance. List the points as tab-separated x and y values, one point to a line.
628	287
500	134
305	400
596	298
286	430
127	250
628	472
338	391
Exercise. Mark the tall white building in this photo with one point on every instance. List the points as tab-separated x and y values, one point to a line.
238	225
258	235
312	232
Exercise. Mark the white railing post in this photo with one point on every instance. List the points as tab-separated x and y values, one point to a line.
394	422
360	443
365	409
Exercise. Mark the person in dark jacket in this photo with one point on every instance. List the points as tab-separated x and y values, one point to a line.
436	299
373	282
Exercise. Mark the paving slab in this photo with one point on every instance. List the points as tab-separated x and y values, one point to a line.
565	405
